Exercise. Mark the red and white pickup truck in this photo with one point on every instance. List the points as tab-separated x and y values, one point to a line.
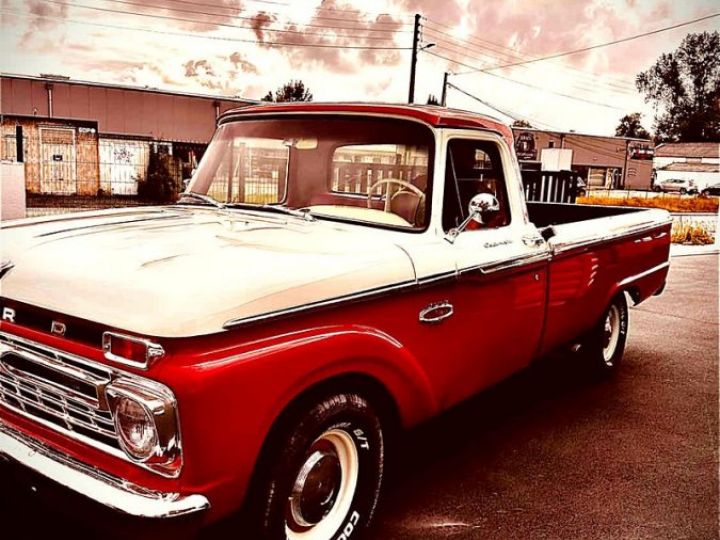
333	273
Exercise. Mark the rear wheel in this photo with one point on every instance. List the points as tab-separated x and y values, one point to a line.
324	479
683	191
604	345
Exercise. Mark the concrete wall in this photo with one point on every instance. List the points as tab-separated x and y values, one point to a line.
12	191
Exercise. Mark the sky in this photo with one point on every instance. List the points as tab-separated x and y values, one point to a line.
360	49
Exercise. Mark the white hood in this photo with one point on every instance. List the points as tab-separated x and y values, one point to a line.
182	271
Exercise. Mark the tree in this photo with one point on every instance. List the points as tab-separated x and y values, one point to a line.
685	86
159	185
631	126
521	124
291	91
432	100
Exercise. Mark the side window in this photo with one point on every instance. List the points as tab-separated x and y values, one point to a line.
473	167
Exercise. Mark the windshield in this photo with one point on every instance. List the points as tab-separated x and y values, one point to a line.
373	170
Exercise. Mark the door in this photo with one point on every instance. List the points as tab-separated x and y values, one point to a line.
57	161
501	265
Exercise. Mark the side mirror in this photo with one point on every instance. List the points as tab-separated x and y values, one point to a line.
482	206
186	183
480	209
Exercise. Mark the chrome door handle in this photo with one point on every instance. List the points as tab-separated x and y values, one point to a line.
533	241
437	312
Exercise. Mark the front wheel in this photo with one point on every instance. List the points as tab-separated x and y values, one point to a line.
325	477
604	345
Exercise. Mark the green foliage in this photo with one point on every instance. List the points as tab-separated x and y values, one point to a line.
521	124
685	86
432	100
291	91
158	185
631	126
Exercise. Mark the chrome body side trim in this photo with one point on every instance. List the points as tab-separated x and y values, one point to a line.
636	277
507	264
362	295
559	246
108	490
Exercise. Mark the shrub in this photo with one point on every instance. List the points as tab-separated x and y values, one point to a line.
691	234
158	186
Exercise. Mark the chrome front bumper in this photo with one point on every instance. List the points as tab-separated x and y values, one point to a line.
100	487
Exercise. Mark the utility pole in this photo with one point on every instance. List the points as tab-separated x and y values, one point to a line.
443	99
625	165
413	60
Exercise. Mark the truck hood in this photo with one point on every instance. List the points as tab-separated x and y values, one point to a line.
183	271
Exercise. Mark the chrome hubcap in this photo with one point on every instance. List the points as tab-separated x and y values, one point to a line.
324	488
316	488
611	334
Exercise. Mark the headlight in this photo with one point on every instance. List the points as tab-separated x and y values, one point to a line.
146	423
136	429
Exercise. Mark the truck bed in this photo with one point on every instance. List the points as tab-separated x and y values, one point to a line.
571	226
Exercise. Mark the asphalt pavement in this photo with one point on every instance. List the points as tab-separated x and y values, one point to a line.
552	453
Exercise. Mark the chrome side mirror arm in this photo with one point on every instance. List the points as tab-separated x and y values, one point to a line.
479	209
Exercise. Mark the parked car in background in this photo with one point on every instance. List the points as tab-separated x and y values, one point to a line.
332	274
677	185
711	190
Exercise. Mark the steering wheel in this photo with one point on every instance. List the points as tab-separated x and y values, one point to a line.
414	189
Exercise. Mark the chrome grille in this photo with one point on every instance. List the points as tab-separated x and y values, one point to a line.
58	390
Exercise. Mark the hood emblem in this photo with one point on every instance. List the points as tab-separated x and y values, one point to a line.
5	266
58	328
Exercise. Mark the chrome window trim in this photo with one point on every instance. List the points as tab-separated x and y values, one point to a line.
21	346
103	488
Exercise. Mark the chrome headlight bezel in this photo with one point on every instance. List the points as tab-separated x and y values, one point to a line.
160	406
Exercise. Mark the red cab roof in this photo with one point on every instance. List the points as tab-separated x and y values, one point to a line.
432	115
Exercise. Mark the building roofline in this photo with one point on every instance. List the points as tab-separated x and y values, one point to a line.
63	80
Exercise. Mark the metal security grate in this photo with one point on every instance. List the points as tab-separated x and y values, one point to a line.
56	390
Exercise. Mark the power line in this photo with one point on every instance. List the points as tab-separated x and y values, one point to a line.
195	12
506	112
600	45
542	89
319	17
582	84
515	55
195	21
200	36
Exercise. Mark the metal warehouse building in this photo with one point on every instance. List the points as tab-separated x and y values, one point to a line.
84	138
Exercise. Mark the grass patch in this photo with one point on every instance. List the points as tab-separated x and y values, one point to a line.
671	204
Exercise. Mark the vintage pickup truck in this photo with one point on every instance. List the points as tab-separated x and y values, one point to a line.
333	273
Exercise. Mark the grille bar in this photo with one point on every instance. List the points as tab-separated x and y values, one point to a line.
41	385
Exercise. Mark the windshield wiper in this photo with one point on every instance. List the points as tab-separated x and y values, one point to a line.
203	198
302	214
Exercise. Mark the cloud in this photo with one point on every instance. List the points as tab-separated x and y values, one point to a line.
240	62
